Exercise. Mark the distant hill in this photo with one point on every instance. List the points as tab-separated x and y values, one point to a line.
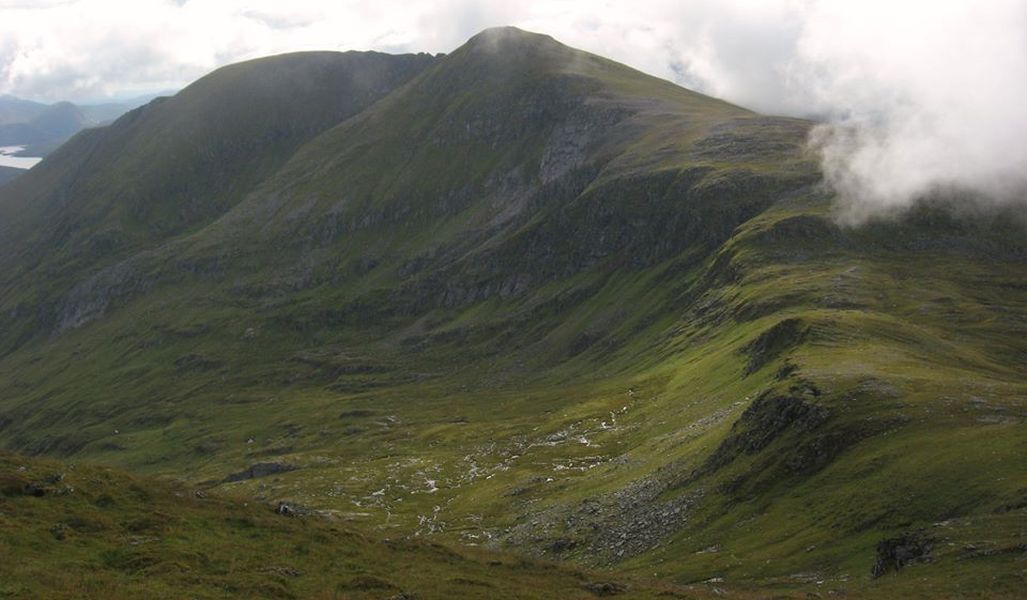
16	110
41	128
54	123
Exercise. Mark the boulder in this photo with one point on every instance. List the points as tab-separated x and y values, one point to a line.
893	554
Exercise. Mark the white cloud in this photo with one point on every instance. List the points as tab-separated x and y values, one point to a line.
923	95
931	98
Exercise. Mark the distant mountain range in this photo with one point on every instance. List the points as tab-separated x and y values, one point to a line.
41	128
518	296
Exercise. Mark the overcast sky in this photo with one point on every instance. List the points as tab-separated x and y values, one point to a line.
932	91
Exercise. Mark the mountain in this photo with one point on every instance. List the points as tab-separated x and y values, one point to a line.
175	164
524	296
52	125
16	110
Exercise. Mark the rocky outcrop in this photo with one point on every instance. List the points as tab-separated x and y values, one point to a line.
806	435
90	299
607	528
605	588
263	469
893	554
287	509
774	342
767	418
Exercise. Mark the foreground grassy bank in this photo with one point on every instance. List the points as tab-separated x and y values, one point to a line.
78	531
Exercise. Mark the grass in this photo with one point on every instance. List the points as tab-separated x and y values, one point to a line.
98	533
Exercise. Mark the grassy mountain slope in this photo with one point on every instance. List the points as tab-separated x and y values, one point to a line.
73	531
178	162
536	299
175	164
107	112
8	173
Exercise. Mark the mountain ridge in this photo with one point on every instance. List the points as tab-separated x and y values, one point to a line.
198	175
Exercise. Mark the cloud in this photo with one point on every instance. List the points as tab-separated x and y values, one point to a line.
926	102
920	97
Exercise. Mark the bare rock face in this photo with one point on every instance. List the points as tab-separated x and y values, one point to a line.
769	416
895	553
773	342
89	299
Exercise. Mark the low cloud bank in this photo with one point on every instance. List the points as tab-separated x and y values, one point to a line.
922	103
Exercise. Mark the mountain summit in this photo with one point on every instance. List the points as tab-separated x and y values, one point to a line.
526	296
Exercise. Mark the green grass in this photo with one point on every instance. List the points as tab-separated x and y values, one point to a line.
98	533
